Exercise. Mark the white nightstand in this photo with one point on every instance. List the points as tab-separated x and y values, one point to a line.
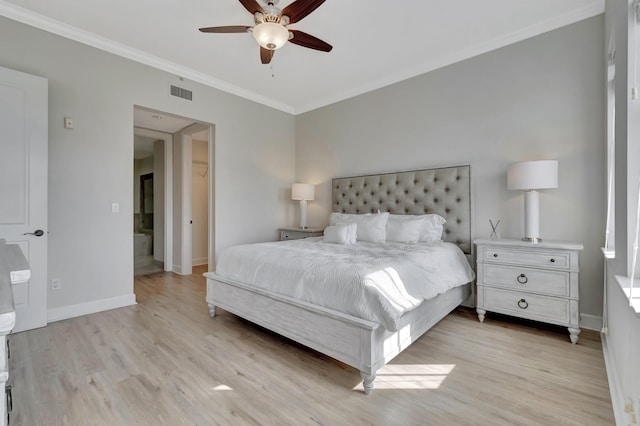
298	233
535	281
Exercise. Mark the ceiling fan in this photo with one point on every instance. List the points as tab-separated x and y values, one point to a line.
271	30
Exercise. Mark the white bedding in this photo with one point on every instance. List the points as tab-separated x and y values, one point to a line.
377	282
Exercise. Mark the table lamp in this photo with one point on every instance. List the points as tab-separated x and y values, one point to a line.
530	176
303	192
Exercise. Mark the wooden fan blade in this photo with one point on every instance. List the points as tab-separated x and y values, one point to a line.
266	55
227	29
252	6
301	8
306	40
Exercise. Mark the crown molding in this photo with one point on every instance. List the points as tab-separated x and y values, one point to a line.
53	26
25	16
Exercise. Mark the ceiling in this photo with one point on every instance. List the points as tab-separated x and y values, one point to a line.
159	122
375	43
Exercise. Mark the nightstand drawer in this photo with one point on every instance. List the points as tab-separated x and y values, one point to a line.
287	234
539	258
553	283
525	305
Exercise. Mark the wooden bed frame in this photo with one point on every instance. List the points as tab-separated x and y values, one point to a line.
363	344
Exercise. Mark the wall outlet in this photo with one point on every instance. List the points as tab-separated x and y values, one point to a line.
56	284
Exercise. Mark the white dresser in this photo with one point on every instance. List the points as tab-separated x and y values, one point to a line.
13	267
534	281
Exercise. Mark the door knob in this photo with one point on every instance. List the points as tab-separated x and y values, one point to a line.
37	233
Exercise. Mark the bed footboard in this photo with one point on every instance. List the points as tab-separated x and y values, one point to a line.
345	338
362	344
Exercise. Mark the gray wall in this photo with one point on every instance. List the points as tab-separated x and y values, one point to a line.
542	98
91	166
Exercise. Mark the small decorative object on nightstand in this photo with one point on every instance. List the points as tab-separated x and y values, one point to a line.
297	233
538	281
495	235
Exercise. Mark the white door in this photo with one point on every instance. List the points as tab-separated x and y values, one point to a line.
23	186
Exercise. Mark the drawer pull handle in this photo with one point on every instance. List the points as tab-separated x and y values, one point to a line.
553	260
523	304
9	395
495	254
522	279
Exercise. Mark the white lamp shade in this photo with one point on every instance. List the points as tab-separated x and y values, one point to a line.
270	35
303	191
533	175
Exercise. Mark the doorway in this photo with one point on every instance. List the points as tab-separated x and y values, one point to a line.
200	198
143	233
152	201
182	234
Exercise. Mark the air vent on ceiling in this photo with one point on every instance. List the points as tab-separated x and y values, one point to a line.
181	93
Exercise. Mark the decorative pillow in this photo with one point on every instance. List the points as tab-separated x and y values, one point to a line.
344	217
405	231
433	230
352	231
337	234
432	225
370	227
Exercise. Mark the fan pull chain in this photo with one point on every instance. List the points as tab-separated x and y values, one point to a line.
273	74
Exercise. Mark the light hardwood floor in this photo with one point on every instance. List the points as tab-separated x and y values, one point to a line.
165	361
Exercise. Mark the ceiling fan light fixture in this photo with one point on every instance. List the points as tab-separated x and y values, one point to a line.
270	35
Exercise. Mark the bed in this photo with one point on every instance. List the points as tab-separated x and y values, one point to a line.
364	344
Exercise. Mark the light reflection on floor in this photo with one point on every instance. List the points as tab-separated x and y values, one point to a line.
221	388
411	376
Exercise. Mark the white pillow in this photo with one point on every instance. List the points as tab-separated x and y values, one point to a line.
344	217
405	231
432	225
336	234
352	231
433	230
370	227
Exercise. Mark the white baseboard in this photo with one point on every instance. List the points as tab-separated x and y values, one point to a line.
177	270
72	311
615	387
201	261
591	322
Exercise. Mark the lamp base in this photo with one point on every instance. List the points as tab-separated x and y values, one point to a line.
533	240
303	214
531	217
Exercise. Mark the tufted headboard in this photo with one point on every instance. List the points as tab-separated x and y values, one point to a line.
445	191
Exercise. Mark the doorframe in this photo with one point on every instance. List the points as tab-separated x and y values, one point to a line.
187	240
212	199
168	190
